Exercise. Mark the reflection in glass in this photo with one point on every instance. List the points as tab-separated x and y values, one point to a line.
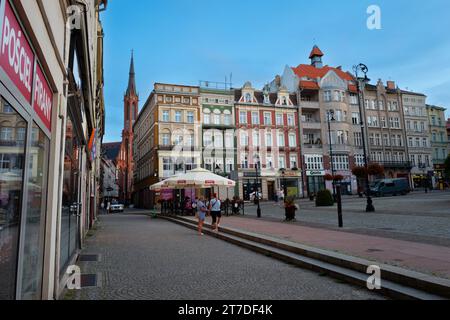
12	155
70	207
35	222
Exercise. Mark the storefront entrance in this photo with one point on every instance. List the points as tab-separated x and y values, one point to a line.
316	184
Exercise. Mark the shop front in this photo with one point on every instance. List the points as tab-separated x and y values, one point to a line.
26	104
315	181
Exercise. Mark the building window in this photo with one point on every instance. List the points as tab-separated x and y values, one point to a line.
207	118
190	117
166	139
207	139
21	134
359	160
216	119
269	141
227	119
281	162
267	118
281	140
243	117
6	134
353	99
244	139
355	118
327	96
358	139
293	162
255	118
341	162
244	161
314	162
178	116
292	140
291	121
256	139
229	140
279	119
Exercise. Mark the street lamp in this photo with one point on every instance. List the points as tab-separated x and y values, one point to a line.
361	83
330	117
257	168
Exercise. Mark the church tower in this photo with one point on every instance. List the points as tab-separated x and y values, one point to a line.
131	100
126	163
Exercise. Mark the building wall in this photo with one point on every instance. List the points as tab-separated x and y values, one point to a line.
418	137
439	142
44	22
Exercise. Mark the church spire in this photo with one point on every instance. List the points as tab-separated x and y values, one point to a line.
131	90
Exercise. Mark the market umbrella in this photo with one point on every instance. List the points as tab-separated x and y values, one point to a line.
198	178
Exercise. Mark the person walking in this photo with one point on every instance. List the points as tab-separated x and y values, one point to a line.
108	208
201	214
216	213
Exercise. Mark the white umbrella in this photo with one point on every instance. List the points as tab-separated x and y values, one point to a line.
198	178
159	186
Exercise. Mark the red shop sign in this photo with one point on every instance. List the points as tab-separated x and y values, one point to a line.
16	55
43	98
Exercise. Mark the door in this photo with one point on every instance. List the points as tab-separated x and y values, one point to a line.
271	190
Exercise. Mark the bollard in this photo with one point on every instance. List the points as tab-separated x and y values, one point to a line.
339	203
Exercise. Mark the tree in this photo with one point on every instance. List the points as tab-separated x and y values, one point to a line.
447	167
376	169
359	172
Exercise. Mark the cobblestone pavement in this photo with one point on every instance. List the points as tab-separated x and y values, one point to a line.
143	258
418	216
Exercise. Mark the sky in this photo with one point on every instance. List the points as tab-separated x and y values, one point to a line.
184	41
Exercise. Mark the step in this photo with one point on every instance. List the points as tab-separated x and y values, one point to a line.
394	280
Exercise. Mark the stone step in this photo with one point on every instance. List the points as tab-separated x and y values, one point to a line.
396	282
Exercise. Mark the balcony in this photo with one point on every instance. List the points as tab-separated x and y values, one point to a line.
312	147
312	125
396	164
310	105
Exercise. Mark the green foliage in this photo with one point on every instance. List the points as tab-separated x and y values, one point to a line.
447	167
324	199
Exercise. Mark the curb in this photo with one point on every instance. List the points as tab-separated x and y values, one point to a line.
396	282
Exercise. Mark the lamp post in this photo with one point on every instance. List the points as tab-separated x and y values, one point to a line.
361	83
330	117
257	168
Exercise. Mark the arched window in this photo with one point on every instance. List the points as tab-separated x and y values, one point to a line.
248	97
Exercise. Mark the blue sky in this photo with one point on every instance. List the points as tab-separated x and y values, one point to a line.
184	41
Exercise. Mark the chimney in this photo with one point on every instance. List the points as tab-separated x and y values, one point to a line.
391	85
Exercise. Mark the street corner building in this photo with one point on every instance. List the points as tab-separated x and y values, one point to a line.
51	128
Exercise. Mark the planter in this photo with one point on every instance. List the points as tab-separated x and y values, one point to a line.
290	213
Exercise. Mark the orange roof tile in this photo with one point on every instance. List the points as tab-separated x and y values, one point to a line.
353	88
309	85
312	72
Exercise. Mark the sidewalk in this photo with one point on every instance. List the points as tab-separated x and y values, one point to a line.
425	258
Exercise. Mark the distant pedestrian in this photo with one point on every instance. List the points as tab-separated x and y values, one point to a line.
216	213
108	207
201	214
102	206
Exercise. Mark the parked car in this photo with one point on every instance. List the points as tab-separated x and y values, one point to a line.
393	187
116	207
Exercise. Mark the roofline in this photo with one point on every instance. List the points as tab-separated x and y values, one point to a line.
178	85
413	93
429	106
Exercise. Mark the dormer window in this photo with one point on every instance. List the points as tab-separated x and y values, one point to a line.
248	98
